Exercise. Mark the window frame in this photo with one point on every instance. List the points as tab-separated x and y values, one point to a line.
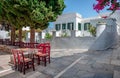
86	26
79	27
70	26
57	27
63	26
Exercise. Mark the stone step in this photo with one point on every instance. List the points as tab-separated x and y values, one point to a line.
116	74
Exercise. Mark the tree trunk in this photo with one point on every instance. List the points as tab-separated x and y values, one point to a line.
20	35
32	35
40	37
12	35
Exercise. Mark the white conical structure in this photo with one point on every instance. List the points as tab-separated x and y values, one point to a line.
116	15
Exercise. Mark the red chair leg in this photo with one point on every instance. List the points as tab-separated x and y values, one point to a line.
27	65
23	69
38	60
45	61
33	66
20	67
15	67
49	59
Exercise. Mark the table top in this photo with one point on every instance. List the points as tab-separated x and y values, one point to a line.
26	49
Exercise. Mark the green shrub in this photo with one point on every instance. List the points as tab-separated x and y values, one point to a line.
48	36
92	30
64	34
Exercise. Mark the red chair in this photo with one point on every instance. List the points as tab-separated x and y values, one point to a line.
26	45
40	50
31	45
25	62
39	45
47	44
17	43
15	58
1	41
47	51
43	53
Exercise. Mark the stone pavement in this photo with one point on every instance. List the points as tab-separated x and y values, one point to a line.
4	59
74	64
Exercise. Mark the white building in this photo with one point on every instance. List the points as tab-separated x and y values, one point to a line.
3	34
74	21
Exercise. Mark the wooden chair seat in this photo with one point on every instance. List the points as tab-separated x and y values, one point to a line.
27	59
41	54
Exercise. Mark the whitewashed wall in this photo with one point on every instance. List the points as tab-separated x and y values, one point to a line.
107	35
3	34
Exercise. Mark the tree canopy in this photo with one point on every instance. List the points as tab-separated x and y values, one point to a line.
33	13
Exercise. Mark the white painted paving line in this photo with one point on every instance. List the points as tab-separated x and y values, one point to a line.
5	70
70	66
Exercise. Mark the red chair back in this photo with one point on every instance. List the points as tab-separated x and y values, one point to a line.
39	45
46	49
14	52
20	57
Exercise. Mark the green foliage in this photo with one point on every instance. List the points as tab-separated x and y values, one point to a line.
48	36
64	34
23	35
92	30
38	30
34	13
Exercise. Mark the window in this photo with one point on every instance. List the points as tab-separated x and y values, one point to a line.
57	27
79	26
64	26
86	26
70	26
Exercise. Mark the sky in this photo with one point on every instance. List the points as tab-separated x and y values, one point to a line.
83	7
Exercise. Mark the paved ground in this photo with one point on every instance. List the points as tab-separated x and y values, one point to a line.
4	59
74	64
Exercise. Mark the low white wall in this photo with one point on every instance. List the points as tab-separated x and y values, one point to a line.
72	43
